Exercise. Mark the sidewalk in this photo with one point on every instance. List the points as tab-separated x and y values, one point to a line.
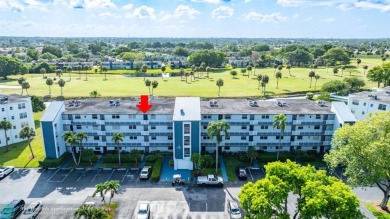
223	168
98	162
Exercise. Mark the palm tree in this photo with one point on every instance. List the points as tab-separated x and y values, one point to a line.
256	67
279	123
383	59
5	125
99	213
258	78
243	71
84	211
81	136
86	68
154	85
315	67
25	85
311	75
95	94
342	69
28	133
147	84
59	72
49	82
105	70
43	72
163	69
264	82
275	67
144	69
208	70
335	70
252	153
214	129
79	68
317	76
233	73
219	83
88	154
288	67
358	61
69	70
99	189
186	75
61	83
249	69
71	139
365	69
192	75
182	73
134	155
117	138
20	82
278	76
112	187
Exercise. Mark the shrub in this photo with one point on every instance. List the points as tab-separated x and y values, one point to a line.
307	158
113	158
155	152
47	162
312	152
156	169
151	158
309	95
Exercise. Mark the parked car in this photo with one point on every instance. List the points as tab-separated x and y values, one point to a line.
143	211
209	180
13	209
234	210
6	171
145	172
32	210
241	173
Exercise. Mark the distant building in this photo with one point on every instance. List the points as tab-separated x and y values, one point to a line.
16	109
180	125
363	103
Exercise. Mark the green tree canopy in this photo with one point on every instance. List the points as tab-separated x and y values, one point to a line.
211	58
54	50
10	66
180	51
337	56
37	104
333	86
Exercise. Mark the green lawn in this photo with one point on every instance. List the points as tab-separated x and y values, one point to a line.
378	214
231	162
240	86
19	153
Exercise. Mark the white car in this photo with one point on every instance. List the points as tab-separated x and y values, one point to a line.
145	172
32	210
143	211
6	171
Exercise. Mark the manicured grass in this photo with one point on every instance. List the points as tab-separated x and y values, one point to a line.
231	162
377	213
19	154
240	86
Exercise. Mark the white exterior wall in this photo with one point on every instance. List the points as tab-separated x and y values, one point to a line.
361	108
58	129
11	112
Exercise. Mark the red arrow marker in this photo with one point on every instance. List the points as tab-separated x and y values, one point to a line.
144	106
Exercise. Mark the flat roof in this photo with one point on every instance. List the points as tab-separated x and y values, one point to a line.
343	111
242	106
52	111
13	98
383	95
187	109
125	106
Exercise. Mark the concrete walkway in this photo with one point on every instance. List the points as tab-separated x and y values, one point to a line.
223	168
167	172
98	162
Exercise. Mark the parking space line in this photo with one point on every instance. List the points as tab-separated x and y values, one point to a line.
66	175
96	175
110	175
251	175
53	175
123	179
81	176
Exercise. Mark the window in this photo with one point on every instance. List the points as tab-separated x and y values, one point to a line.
131	116
169	127
265	116
263	137
77	117
14	127
116	127
279	137
205	127
10	108
12	117
317	127
227	138
355	102
316	137
170	137
299	147
96	137
244	116
152	116
264	147
21	106
243	137
187	140
364	104
115	116
170	148
299	137
314	148
133	137
2	109
94	116
382	107
206	116
22	115
227	148
301	116
371	105
97	148
78	126
243	127
318	116
205	137
228	116
16	136
187	128
264	127
187	152
132	127
300	127
153	127
95	127
363	112
153	137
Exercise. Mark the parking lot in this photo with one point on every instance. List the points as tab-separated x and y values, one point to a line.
255	174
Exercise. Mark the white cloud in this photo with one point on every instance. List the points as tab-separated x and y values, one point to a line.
207	1
308	3
345	7
382	6
246	1
13	5
87	4
329	20
127	7
144	12
222	12
109	14
182	10
274	17
295	16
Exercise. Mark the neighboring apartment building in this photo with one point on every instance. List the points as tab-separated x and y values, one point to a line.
179	125
363	103
18	110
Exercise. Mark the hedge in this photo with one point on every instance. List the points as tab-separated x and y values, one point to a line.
156	169
47	162
151	158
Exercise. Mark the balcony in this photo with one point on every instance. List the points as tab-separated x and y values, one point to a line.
294	143
326	143
144	133
329	122
67	122
101	144
145	122
328	132
254	122
101	133
297	122
100	122
144	144
296	133
253	133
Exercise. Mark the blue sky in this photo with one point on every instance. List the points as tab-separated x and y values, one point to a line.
196	18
